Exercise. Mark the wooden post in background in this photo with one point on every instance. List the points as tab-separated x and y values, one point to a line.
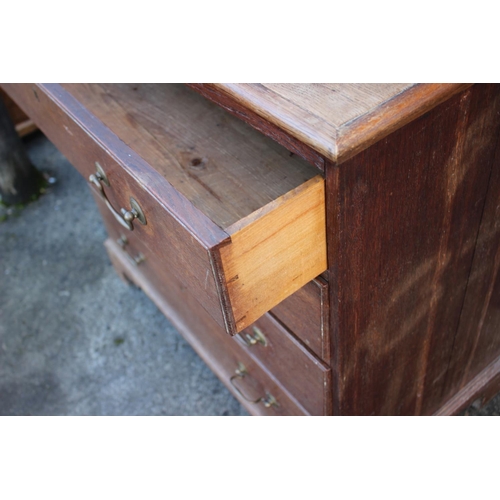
19	180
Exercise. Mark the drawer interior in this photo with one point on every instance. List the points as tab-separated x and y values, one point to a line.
224	167
269	203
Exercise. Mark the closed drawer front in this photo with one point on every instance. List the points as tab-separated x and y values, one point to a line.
249	382
265	344
237	219
305	313
302	373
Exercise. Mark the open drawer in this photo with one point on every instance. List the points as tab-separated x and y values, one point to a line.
234	215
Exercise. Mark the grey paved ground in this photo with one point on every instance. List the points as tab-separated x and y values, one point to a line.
75	340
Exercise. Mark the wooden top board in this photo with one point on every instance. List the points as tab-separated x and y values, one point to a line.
337	120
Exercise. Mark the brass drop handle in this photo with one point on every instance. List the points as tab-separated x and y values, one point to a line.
122	241
127	216
268	400
257	337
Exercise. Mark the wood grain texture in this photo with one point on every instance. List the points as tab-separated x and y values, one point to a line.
357	135
334	120
284	355
238	274
482	388
179	234
306	314
219	351
478	339
402	226
412	211
275	251
221	165
245	113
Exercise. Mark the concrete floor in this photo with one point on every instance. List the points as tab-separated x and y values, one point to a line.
74	339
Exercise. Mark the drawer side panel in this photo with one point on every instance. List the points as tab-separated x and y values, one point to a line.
275	251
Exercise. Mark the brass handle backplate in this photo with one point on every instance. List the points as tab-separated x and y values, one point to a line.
125	217
257	337
268	400
122	241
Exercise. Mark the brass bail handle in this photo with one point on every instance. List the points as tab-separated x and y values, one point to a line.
268	400
122	241
127	216
257	337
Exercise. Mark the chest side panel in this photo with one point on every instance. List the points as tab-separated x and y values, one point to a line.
403	221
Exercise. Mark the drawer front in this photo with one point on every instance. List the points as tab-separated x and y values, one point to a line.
237	273
256	389
305	313
302	373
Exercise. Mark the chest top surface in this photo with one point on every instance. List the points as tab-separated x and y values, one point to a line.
338	120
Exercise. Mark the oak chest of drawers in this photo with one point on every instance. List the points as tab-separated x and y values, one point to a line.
326	249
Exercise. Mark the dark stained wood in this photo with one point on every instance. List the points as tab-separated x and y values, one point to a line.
334	120
23	124
403	221
480	390
284	355
333	244
219	351
412	216
478	339
16	114
306	314
20	181
269	129
356	135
